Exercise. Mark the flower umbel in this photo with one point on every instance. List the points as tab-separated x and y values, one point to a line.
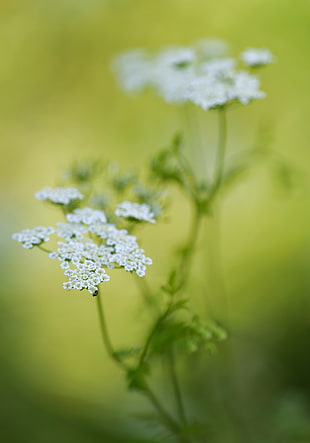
134	210
33	237
195	74
257	57
59	195
91	244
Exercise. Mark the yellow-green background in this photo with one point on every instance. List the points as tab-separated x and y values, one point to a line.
59	102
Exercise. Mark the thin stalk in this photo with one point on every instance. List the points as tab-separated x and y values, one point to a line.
164	415
176	388
190	246
105	335
151	335
221	149
220	155
169	422
146	292
43	249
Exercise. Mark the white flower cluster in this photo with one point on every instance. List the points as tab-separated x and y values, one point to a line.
86	275
134	210
33	237
90	245
134	70
87	216
219	88
59	195
71	230
193	74
257	57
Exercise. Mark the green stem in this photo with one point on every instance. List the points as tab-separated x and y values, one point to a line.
105	335
176	388
219	165
165	416
43	249
190	246
151	335
220	155
146	292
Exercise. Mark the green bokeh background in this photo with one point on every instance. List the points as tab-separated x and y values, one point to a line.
59	102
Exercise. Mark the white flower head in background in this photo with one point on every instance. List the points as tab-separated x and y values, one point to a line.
176	56
200	74
59	195
136	211
218	67
257	57
220	88
133	70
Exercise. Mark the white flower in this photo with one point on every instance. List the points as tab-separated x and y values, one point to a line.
121	240
102	255
214	90
257	57
133	70
246	88
132	260
59	195
171	82
135	210
176	56
218	67
172	70
71	250
103	230
86	275
71	230
195	74
34	236
87	216
84	260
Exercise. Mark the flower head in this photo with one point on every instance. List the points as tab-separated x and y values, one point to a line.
90	245
33	237
135	210
87	216
59	195
257	57
133	70
222	88
87	275
71	230
198	74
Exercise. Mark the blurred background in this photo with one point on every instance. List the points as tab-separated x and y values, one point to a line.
60	103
